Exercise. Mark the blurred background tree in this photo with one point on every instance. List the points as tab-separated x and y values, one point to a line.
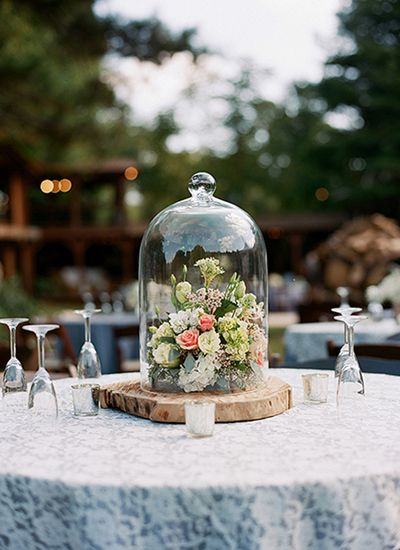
328	146
358	152
57	104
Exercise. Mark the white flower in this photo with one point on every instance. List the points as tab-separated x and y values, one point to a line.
166	355
209	341
184	319
248	301
182	291
202	375
209	269
164	330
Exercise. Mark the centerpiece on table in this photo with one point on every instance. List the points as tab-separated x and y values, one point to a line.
203	277
203	324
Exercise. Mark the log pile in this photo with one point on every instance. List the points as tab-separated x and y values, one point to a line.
358	255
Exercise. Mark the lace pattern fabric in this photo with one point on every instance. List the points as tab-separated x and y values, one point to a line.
306	479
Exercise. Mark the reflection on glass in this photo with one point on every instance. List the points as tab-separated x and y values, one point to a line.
88	363
350	381
14	376
42	394
344	312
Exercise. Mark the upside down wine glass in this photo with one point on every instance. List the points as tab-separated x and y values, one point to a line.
344	350
350	384
88	363
42	394
14	375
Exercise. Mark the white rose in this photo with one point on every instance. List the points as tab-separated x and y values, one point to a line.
167	355
182	291
209	342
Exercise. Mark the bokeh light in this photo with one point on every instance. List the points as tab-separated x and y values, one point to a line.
322	194
131	173
56	186
65	185
46	186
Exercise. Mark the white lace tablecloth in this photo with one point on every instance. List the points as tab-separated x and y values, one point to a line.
307	341
303	480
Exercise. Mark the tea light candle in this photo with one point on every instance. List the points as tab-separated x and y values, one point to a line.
85	398
200	418
315	387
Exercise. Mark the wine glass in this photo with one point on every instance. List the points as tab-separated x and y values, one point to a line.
350	381
42	391
345	311
14	375
88	363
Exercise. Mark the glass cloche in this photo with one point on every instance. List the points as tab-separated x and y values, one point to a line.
203	294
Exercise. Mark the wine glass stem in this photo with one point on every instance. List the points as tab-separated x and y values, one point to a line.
40	342
13	345
350	335
346	334
87	330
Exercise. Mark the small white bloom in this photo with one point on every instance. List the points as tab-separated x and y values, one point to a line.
209	342
184	319
202	375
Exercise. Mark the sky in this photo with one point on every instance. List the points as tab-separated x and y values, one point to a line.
290	38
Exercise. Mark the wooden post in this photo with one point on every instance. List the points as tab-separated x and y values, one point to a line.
127	248
9	260
120	206
75	204
18	201
296	252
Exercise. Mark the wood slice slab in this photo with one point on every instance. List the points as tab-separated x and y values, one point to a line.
274	397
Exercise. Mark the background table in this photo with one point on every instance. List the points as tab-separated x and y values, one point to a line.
307	341
102	336
303	480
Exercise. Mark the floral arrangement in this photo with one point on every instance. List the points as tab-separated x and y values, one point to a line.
214	339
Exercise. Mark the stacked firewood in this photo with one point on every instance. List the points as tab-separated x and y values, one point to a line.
358	255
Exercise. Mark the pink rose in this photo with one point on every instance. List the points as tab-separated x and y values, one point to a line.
206	322
260	359
188	339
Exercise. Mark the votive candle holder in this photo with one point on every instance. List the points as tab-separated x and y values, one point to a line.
315	387
200	417
85	399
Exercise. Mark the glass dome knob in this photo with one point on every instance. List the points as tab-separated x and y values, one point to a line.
202	187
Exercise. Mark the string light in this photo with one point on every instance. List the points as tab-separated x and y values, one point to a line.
65	185
322	194
56	186
46	186
131	173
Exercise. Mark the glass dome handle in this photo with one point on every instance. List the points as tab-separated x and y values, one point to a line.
202	187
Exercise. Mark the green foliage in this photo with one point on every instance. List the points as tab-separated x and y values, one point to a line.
14	302
362	162
56	104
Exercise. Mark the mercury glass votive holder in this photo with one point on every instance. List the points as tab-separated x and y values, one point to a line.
85	399
200	418
315	387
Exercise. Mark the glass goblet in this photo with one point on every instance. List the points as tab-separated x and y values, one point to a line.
89	365
350	381
42	394
14	375
344	312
